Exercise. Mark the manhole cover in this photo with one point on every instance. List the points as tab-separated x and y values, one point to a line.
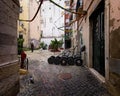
65	76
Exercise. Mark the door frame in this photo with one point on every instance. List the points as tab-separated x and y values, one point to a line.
106	30
97	20
91	18
107	37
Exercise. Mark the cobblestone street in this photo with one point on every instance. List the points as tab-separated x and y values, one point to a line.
57	80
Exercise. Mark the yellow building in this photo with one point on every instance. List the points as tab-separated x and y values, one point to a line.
23	27
29	31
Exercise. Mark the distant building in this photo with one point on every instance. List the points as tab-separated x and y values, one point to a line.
35	25
30	31
23	27
52	18
68	28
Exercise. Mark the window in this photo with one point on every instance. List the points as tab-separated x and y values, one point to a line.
21	9
21	24
81	36
21	36
71	17
79	4
67	3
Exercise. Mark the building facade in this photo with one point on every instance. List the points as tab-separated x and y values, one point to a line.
35	25
29	31
23	27
9	68
52	21
74	24
98	30
68	28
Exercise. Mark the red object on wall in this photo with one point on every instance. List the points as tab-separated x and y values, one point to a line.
23	55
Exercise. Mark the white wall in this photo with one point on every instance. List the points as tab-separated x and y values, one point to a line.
52	18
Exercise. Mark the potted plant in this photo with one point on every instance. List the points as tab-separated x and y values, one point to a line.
54	45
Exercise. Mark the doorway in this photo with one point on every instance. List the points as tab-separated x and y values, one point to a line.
98	39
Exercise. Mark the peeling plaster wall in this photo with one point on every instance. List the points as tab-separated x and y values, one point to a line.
115	29
115	35
115	45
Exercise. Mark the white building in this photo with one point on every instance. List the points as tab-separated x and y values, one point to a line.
52	17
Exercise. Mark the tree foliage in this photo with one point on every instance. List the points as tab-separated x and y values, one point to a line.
55	44
20	45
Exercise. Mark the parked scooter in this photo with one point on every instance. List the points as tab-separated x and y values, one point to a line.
67	57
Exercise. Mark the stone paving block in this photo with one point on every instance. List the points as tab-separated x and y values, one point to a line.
48	83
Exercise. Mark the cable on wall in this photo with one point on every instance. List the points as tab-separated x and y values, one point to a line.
64	8
35	13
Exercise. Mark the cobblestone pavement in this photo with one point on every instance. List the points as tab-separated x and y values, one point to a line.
49	82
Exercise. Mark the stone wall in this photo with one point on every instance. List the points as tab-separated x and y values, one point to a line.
9	76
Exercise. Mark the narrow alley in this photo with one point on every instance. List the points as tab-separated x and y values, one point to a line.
88	29
57	80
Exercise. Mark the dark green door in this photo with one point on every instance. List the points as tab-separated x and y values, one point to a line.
98	40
